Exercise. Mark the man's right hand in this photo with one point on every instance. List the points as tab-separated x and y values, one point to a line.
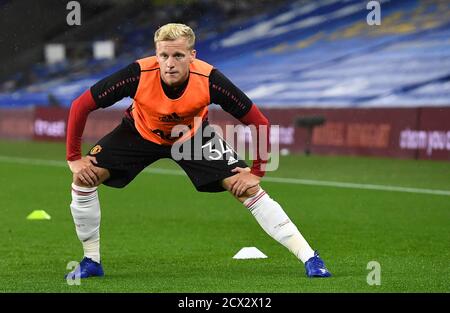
85	171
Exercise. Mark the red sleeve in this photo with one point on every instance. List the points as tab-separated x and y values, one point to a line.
79	111
256	118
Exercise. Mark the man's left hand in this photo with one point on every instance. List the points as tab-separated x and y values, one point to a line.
244	180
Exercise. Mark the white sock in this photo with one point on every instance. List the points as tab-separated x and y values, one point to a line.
85	208
277	224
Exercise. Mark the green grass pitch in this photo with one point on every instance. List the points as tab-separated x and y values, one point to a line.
160	235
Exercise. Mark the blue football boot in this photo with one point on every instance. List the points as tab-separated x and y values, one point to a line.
315	267
86	268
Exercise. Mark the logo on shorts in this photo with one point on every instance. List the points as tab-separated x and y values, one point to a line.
96	149
232	160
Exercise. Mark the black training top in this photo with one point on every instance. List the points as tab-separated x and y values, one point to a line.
124	83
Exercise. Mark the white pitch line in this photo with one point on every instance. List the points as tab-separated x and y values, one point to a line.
32	161
282	180
164	171
356	186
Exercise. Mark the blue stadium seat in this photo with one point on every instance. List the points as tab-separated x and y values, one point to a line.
318	53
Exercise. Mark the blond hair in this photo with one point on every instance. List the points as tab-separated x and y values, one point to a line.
173	31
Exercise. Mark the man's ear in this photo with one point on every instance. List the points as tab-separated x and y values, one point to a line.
193	55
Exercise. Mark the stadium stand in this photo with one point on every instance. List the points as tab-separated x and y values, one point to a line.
326	55
290	54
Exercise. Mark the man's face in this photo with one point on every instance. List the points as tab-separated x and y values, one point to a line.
174	58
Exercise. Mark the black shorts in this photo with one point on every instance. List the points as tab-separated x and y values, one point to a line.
125	154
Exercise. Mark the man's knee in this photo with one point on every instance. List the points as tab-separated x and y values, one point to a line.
250	192
102	174
228	182
77	180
